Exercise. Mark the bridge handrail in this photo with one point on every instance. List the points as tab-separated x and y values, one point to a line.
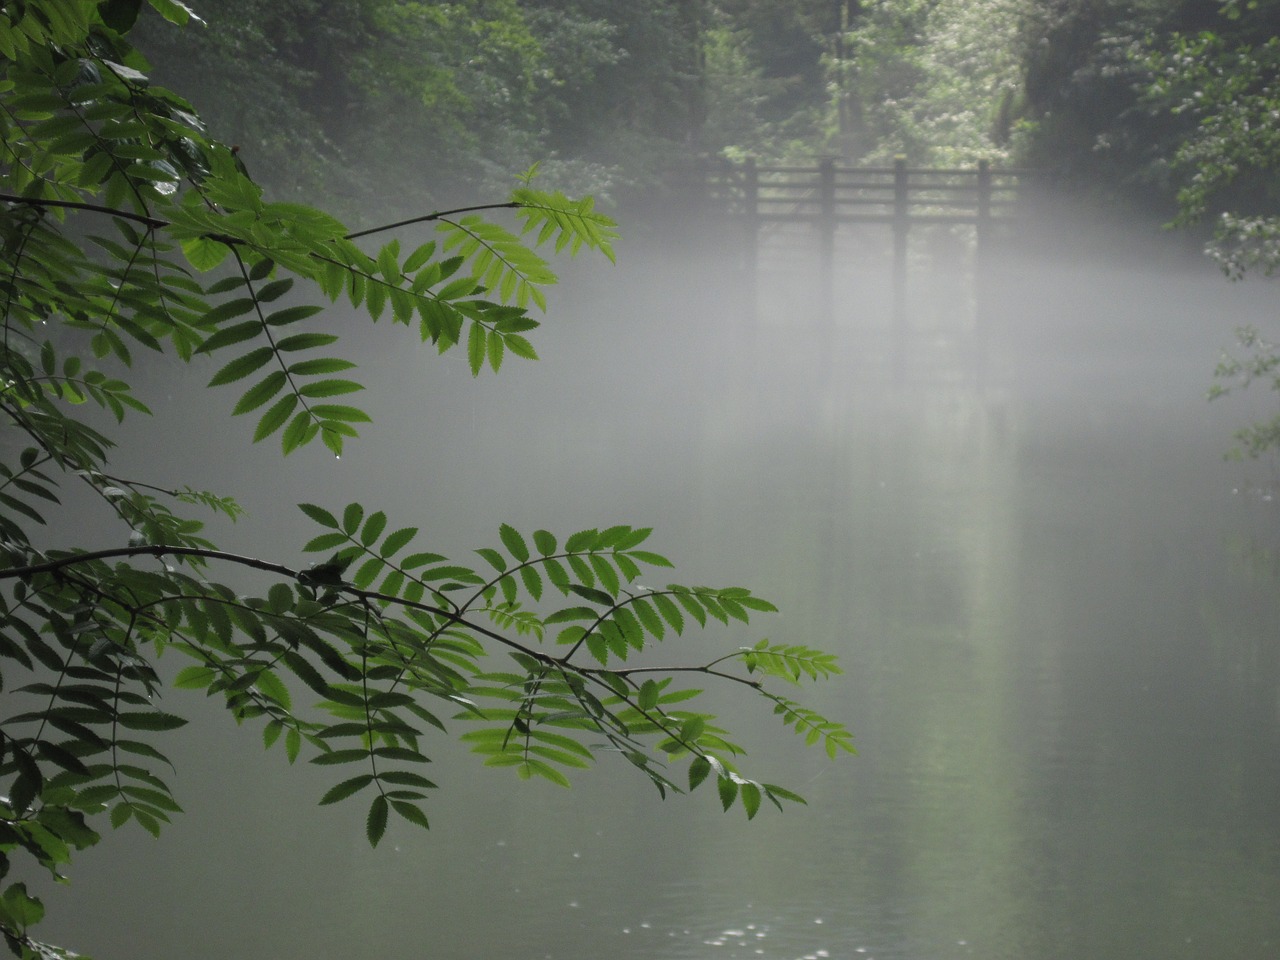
832	192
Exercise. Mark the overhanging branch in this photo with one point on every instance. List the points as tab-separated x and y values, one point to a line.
157	223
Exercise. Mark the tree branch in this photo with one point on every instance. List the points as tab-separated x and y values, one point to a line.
153	222
144	550
457	617
157	223
159	550
705	669
509	205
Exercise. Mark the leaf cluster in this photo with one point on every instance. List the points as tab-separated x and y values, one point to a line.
128	231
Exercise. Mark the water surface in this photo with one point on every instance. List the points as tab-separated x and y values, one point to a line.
1051	596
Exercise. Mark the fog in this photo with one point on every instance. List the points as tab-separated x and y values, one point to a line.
1053	598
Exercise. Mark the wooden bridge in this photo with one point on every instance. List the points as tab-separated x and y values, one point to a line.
829	195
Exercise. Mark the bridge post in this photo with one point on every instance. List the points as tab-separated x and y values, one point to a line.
901	223
751	232
827	235
984	204
981	257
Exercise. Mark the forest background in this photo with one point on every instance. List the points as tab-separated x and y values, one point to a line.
609	96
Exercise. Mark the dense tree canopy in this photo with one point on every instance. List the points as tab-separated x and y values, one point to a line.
603	94
1223	85
609	96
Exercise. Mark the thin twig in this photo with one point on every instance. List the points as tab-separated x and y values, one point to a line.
84	205
157	223
509	205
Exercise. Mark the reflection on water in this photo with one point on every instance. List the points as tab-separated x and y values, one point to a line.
1061	651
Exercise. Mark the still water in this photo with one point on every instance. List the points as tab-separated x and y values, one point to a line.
1054	601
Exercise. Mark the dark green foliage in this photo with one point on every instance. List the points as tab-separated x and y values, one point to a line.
1226	91
1223	85
128	233
467	90
1097	103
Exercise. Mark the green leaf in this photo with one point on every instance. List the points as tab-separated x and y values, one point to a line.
653	559
153	798
582	570
325	542
59	755
408	778
648	617
582	540
271	733
20	909
647	696
150	721
300	431
397	541
632	538
373	527
494	350
351	518
147	820
271	687
520	346
346	788
493	558
236	333
376	822
418	258
605	573
366	573
545	542
728	790
332	412
333	757
410	812
277	289
194	678
514	542
570	614
589	593
319	515
275	417
329	388
691	606
670	612
288	315
174	11
692	729
543	770
557	574
476	340
312	341
532	582
260	392
699	767
775	793
204	253
241	367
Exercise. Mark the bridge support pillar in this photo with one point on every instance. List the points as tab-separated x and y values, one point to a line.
901	223
751	236
826	239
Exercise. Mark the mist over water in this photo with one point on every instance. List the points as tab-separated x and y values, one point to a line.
1054	601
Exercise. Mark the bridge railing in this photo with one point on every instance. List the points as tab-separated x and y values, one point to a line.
829	194
848	194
